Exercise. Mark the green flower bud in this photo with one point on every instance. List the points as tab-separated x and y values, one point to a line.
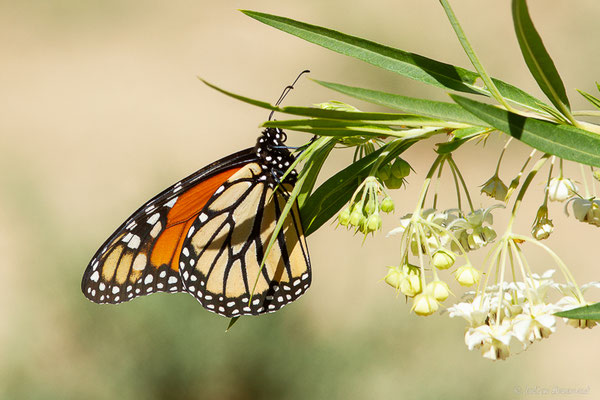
443	259
400	168
387	205
394	277
344	216
370	206
393	182
373	223
355	217
384	172
467	275
425	304
362	225
439	290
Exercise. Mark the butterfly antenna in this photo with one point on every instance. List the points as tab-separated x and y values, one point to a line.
286	91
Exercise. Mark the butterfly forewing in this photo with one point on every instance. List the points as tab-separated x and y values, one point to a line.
142	256
221	256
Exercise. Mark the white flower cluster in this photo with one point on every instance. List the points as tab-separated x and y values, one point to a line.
443	229
506	318
441	237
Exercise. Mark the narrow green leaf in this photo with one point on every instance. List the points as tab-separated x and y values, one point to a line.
410	65
460	137
403	120
334	193
430	108
363	117
324	127
538	60
564	141
594	100
313	165
462	38
591	312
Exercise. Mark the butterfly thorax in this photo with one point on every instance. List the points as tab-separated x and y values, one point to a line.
274	155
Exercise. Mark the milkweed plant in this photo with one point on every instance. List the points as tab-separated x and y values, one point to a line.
512	299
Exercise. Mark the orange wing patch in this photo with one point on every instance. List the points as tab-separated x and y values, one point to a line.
181	217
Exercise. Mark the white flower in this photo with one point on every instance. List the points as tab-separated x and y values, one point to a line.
536	322
535	287
560	189
494	341
571	301
475	312
586	210
471	231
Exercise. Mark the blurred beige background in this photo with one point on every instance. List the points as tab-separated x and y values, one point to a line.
100	109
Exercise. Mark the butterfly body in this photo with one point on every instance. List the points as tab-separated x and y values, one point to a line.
207	236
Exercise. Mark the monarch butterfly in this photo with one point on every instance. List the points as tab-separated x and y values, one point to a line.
206	235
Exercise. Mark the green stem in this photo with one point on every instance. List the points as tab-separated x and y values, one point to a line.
462	181
524	188
426	183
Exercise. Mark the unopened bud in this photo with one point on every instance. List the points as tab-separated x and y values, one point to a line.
411	285
439	290
425	304
394	277
443	259
400	168
344	216
467	275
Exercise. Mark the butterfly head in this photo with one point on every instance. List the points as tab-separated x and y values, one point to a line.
274	155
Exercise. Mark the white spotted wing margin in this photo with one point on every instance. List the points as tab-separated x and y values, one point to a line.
121	269
221	257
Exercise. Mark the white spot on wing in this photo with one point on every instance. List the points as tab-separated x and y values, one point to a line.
148	279
156	229
191	231
152	220
95	276
134	243
140	262
172	202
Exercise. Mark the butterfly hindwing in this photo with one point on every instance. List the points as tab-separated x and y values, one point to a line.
141	257
224	247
